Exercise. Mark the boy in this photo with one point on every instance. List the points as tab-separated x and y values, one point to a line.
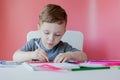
49	47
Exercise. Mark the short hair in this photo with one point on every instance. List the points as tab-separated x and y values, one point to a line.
53	13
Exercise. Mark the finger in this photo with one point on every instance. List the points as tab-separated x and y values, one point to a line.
42	59
59	58
64	60
56	58
43	56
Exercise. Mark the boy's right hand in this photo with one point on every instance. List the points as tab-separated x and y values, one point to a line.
41	55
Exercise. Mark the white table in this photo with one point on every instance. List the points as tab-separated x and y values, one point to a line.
22	73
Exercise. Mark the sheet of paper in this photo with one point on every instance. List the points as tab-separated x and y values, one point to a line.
50	66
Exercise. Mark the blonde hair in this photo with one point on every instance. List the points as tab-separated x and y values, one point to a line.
53	14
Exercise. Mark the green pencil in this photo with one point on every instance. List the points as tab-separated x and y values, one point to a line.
119	67
89	68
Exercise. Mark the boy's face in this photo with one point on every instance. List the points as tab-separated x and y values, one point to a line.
51	34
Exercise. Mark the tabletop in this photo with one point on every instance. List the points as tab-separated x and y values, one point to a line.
21	73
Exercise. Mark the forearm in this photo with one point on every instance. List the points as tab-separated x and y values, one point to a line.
78	55
21	56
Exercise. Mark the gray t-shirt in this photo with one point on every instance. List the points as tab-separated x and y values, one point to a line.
61	47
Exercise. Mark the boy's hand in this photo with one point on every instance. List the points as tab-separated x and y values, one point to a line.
62	57
41	55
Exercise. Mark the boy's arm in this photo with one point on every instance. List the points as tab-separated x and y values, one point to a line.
22	56
77	55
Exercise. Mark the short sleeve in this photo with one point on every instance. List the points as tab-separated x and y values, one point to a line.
29	46
67	47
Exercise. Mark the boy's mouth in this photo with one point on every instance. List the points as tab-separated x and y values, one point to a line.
50	44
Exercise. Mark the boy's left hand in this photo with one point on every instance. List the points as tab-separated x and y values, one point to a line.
62	57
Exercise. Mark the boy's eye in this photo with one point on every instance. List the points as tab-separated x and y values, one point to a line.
46	33
57	35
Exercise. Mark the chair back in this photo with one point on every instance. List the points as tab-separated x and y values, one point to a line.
74	38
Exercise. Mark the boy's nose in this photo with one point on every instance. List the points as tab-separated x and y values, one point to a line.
51	38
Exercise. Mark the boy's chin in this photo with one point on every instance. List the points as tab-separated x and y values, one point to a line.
49	47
